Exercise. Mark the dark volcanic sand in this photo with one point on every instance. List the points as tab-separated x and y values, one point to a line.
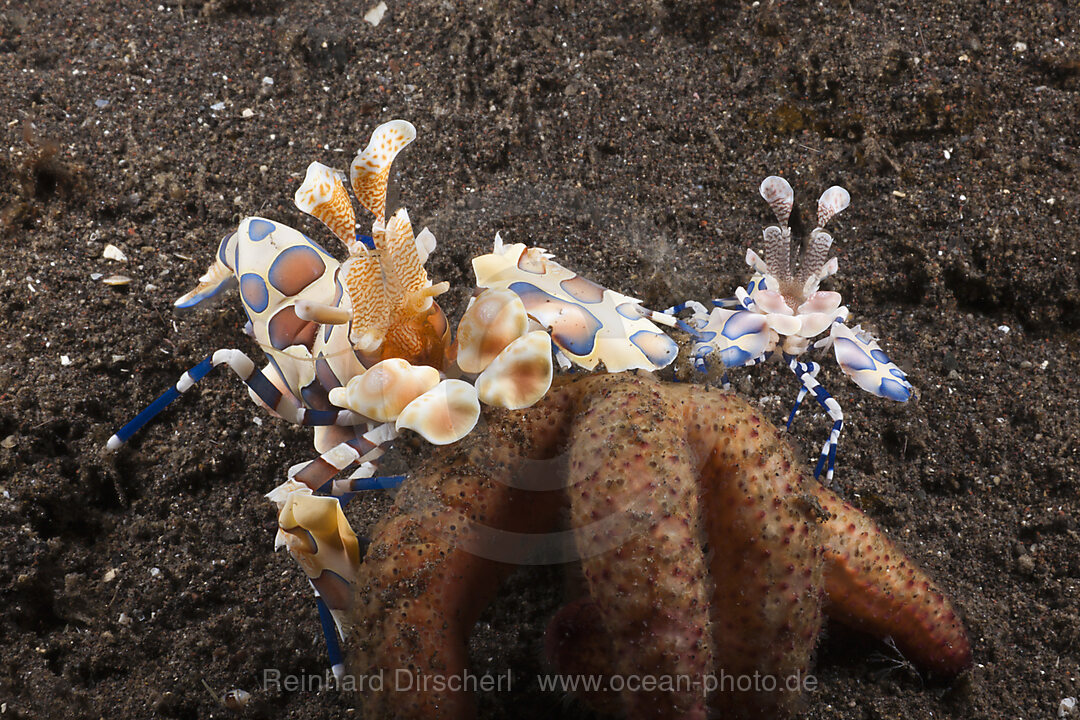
631	144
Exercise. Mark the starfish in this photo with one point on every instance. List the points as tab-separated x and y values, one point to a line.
707	551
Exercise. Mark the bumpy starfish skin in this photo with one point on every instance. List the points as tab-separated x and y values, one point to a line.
626	461
871	586
705	549
419	591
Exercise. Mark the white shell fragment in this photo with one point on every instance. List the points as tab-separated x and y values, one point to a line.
778	193
384	390
493	320
117	280
520	375
236	699
374	16
831	203
114	253
444	414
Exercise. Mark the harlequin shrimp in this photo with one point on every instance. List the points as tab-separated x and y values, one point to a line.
360	350
781	311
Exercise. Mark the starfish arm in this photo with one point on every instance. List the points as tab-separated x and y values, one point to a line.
697	468
722	556
872	586
577	644
431	567
764	546
646	572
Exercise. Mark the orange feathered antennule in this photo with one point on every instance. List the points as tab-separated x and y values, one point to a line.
323	195
401	261
392	311
370	170
408	323
363	279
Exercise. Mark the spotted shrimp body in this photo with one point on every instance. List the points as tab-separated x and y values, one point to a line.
781	311
360	350
589	324
321	322
278	270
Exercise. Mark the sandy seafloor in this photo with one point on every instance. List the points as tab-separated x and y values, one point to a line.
629	142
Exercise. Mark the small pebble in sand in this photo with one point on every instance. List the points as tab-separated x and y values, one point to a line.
114	253
375	14
236	699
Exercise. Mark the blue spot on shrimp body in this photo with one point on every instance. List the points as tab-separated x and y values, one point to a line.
852	356
253	292
656	346
742	323
294	269
880	356
258	229
892	389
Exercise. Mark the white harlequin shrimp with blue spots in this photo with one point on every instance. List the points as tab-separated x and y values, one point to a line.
782	310
360	350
